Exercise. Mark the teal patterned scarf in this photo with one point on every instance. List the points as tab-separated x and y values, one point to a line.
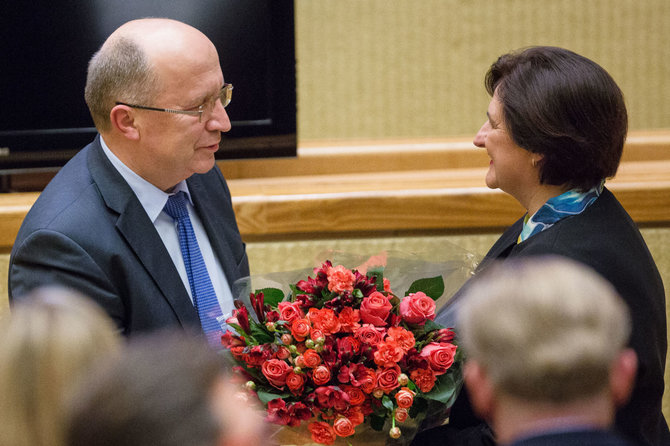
568	203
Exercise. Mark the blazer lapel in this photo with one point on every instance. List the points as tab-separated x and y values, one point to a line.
220	226
141	235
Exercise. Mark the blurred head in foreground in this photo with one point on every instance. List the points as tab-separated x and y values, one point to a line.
546	343
167	388
48	342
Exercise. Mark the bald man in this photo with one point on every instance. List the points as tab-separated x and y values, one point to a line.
157	96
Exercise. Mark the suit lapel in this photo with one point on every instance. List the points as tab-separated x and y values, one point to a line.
216	223
141	235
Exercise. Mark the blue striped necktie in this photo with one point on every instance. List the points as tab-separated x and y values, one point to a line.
202	291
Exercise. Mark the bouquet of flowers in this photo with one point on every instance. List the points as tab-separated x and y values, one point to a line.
343	353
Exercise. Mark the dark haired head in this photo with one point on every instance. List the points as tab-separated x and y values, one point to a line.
565	107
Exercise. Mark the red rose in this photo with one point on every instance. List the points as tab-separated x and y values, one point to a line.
343	427
321	375
387	379
375	309
424	379
369	334
322	432
300	329
356	395
404	398
295	382
440	356
289	311
417	308
276	371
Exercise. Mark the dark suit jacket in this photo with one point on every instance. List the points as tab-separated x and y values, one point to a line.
605	238
88	231
574	438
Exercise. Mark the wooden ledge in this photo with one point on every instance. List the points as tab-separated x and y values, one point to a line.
372	189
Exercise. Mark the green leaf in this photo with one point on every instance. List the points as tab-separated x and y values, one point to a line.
431	326
432	286
261	334
378	273
266	397
272	296
447	386
388	403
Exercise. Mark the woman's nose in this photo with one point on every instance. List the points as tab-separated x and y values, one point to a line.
480	137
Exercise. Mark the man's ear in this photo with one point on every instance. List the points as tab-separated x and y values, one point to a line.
622	376
122	118
480	389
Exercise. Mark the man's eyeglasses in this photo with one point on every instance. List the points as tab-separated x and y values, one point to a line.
225	95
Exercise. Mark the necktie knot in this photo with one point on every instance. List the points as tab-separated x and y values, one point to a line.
176	206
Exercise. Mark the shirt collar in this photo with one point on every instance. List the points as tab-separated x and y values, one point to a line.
151	198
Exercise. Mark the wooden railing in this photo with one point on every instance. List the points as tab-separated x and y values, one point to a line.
391	188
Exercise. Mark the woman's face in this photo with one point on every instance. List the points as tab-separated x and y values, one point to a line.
511	168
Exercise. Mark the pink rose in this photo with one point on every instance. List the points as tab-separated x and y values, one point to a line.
290	311
375	309
440	356
417	308
276	371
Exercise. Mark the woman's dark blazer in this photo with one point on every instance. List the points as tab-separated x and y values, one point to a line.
605	238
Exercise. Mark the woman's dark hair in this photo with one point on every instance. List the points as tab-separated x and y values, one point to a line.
565	107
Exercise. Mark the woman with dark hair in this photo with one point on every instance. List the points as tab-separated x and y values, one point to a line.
555	132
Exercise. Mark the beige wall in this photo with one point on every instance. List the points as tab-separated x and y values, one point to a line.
414	68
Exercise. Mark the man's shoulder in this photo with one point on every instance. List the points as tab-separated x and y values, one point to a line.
71	191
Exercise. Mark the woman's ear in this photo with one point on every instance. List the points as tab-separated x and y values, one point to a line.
122	118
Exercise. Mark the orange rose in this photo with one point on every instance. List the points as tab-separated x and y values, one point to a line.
322	432
321	375
343	427
404	398
311	358
300	329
